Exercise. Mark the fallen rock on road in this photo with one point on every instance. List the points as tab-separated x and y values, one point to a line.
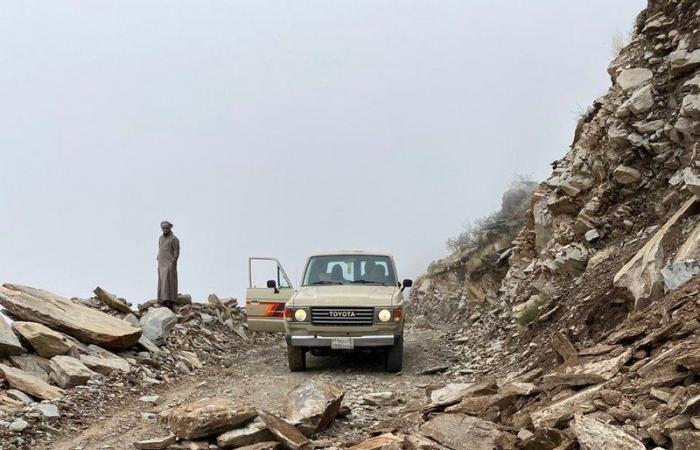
207	417
314	405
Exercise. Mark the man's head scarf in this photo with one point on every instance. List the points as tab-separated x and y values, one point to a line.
166	224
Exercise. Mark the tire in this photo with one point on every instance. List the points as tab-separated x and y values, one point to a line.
296	356
393	361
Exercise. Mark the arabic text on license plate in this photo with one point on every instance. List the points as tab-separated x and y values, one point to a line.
343	343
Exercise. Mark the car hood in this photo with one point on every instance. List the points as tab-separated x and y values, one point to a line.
352	295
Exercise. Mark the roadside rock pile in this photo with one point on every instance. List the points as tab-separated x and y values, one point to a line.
635	389
61	359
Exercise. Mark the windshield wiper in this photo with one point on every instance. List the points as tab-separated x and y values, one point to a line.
367	282
325	282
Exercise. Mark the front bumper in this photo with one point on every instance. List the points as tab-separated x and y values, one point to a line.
359	341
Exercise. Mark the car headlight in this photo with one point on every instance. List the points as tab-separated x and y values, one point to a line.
384	315
300	315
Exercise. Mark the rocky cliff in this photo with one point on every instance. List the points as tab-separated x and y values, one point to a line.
602	275
615	222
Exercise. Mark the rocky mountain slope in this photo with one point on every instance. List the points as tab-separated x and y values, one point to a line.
602	274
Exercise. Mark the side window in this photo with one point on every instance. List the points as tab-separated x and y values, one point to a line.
282	280
263	269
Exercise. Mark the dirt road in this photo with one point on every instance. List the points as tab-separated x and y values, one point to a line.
260	377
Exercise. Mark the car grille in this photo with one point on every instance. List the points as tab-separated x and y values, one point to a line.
342	316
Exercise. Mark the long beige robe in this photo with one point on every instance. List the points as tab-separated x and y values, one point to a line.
168	253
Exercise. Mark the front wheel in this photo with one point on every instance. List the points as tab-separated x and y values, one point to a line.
394	357
296	356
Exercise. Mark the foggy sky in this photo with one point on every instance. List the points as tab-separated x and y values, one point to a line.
275	128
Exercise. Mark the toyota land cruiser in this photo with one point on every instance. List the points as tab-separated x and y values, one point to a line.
347	301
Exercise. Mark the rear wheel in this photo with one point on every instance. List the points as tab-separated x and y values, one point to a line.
394	357
296	356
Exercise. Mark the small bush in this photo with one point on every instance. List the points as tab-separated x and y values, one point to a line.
504	223
529	315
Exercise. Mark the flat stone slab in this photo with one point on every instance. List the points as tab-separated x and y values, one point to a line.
156	443
591	372
112	300
287	434
461	432
208	416
30	384
105	366
45	341
549	415
250	434
9	344
595	435
85	324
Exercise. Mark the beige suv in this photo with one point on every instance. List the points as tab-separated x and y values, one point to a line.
347	301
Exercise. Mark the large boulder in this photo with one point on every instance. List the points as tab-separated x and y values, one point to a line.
30	384
455	392
112	300
69	372
157	323
45	341
595	435
86	324
208	416
287	434
314	405
461	432
9	344
641	275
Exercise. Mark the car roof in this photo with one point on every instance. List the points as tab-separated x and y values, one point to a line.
352	252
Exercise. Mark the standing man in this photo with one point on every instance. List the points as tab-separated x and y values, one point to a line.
168	253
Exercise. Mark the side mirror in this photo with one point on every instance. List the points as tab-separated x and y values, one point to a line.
272	284
406	284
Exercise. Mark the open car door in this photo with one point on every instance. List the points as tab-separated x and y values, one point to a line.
268	291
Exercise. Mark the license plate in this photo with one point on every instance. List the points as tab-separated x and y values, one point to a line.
342	343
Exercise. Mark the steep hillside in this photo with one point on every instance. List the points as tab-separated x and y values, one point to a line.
602	273
627	180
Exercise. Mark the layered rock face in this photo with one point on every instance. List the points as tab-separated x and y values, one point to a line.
619	207
630	169
600	299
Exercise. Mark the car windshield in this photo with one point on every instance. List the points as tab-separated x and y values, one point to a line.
349	269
